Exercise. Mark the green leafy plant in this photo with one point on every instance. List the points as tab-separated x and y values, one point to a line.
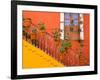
56	35
42	27
66	44
34	30
62	49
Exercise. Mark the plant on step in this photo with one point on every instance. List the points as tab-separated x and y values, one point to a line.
56	35
42	27
66	45
33	33
34	30
63	48
62	52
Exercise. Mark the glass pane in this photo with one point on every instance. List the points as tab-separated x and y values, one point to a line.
75	22
67	22
66	16
74	15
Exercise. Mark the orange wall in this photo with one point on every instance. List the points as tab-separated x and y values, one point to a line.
87	35
51	19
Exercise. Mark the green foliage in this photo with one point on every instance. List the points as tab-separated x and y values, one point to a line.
62	49
66	44
34	30
42	26
56	34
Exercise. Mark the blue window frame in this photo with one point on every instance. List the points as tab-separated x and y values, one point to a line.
68	21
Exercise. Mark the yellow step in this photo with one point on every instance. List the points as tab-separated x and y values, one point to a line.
35	58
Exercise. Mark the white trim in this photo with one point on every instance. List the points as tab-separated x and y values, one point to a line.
81	27
62	25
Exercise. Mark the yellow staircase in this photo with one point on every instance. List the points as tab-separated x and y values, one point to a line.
35	58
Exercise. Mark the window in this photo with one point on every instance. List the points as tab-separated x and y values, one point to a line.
69	24
71	19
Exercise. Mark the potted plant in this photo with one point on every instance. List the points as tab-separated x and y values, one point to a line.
33	36
64	49
62	53
42	27
56	36
66	45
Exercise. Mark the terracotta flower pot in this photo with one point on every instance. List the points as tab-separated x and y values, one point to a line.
66	49
57	43
62	57
33	36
